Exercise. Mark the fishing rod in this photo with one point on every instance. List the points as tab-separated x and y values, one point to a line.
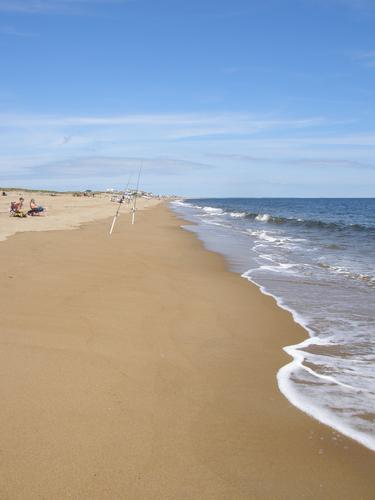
122	199
135	196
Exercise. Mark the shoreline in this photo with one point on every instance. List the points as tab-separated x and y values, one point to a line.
320	414
297	359
133	368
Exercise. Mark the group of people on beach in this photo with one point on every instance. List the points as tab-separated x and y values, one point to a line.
16	208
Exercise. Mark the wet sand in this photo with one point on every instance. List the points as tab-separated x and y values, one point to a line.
139	367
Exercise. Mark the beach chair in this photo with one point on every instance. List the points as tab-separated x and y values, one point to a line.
14	212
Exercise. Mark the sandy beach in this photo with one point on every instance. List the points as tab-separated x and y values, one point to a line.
130	370
63	210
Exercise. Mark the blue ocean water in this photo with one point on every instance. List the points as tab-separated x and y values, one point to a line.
317	258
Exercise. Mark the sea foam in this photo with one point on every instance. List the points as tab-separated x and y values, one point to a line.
318	266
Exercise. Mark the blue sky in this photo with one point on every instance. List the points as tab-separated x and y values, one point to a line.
214	98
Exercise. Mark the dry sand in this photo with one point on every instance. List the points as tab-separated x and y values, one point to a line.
139	367
63	211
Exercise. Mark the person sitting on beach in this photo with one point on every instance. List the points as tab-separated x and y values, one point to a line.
35	209
16	208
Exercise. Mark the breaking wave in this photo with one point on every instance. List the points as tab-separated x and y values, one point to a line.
280	220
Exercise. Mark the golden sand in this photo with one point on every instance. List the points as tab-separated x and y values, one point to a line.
63	211
139	367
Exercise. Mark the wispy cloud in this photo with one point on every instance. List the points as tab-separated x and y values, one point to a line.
12	31
231	70
166	126
52	6
300	161
367	58
174	147
95	166
360	5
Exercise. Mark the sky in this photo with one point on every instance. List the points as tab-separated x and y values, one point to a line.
247	98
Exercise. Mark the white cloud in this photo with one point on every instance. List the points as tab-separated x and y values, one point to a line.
175	148
298	161
179	125
24	168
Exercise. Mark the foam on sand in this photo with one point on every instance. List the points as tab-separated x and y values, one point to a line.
285	375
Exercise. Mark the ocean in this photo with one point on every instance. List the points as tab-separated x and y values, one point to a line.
317	258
